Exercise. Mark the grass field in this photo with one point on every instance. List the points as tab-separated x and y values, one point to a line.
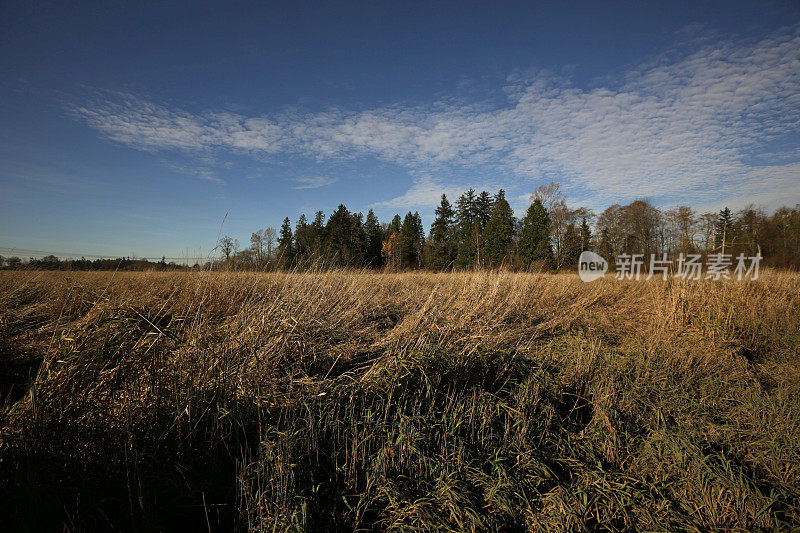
362	401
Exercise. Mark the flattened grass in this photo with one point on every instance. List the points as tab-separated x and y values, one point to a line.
363	401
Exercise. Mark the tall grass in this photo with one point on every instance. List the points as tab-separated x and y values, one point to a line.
414	401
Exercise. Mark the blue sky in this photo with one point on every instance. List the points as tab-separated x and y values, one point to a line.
134	128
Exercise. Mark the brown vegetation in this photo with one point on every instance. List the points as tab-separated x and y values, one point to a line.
354	400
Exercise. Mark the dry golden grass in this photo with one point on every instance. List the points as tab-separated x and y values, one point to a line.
355	400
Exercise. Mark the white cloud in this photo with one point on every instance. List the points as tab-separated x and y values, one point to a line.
314	182
424	192
202	172
682	127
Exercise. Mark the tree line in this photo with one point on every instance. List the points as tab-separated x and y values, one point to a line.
480	230
52	262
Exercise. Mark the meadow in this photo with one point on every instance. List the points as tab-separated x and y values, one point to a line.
354	400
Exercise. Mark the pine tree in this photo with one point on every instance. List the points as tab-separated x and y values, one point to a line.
358	240
572	244
319	220
285	250
318	235
484	205
467	230
394	226
412	247
441	249
420	235
465	208
303	239
586	235
374	236
534	239
342	238
499	234
723	234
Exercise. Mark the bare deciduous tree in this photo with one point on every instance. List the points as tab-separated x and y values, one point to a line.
682	226
561	216
228	246
708	223
270	240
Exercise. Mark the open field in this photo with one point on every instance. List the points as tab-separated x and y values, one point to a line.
354	400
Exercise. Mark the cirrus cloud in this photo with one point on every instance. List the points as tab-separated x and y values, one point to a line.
313	182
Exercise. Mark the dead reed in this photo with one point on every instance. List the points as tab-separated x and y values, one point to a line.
415	401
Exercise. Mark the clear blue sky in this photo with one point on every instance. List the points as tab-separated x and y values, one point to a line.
134	128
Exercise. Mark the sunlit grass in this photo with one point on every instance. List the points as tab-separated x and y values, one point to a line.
357	400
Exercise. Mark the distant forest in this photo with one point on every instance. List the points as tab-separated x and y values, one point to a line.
481	231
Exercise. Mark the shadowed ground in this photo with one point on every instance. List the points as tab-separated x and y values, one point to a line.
355	400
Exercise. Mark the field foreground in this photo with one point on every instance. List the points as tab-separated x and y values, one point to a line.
360	401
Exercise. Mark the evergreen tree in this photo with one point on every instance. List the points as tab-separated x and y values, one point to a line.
465	209
440	245
723	231
534	239
317	235
374	237
572	244
319	221
412	247
392	249
394	226
358	240
484	204
285	250
341	241
467	230
420	232
499	234
586	235
303	239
